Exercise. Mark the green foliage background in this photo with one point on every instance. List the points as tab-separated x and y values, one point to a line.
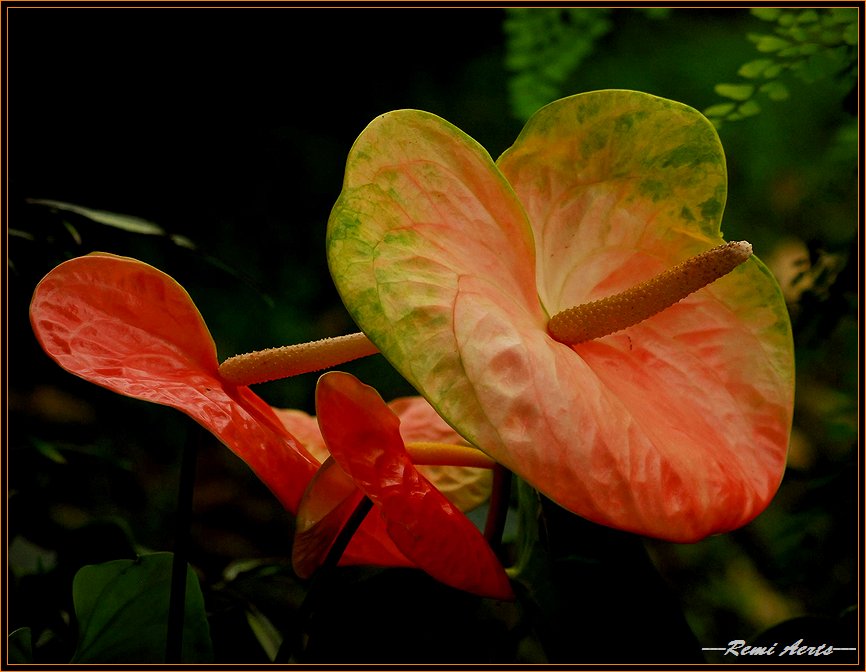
227	131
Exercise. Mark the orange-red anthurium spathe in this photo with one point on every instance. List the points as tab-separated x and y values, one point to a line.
675	427
363	436
125	325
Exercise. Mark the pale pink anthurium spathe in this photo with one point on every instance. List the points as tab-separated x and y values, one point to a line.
676	427
125	325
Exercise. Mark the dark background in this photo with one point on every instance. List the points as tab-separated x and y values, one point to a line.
230	127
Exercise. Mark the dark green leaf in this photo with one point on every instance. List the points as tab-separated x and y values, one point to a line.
773	70
544	47
122	612
748	109
265	632
754	68
21	646
115	220
656	12
719	110
799	34
769	43
786	20
735	91
73	232
766	13
775	90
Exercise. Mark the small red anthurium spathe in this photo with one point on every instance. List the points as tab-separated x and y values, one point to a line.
369	458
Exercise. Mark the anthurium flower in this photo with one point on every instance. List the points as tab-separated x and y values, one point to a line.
437	452
370	458
670	417
125	325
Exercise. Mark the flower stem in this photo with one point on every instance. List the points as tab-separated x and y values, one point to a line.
345	535
292	360
497	513
177	595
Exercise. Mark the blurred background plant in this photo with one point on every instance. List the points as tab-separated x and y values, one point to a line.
211	144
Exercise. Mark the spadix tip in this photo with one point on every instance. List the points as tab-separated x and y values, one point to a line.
743	248
605	316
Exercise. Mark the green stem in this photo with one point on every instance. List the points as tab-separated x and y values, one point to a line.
177	597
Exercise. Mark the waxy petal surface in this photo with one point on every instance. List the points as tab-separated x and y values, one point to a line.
423	205
131	328
363	436
675	428
332	496
327	505
305	429
465	487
